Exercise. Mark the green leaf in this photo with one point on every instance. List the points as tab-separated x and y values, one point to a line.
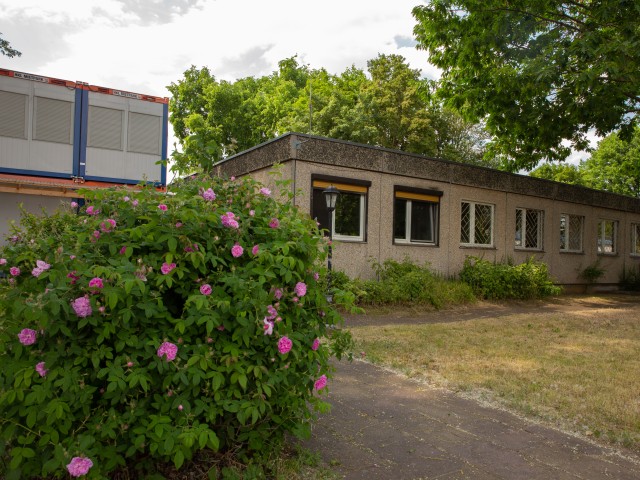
178	459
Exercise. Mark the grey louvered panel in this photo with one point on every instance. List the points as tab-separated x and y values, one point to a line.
52	120
144	133
105	128
13	107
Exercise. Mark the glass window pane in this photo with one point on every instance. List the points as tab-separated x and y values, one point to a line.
518	238
347	214
636	240
465	223
422	222
400	219
563	232
320	212
532	228
575	233
482	228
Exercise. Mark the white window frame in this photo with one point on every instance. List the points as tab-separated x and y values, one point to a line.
363	211
601	237
407	229
472	224
567	248
523	229
635	236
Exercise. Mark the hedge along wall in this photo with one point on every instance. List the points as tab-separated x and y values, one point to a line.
145	327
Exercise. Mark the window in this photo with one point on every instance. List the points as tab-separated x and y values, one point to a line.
415	216
52	120
529	225
570	233
476	224
145	132
13	115
635	239
349	218
607	235
105	128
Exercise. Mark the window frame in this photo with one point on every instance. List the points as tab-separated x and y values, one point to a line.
410	195
567	248
472	224
601	237
523	228
344	185
635	238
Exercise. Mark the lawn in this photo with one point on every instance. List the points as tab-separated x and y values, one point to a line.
577	368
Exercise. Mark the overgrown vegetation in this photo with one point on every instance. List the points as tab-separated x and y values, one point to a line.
499	281
405	283
591	273
630	279
151	328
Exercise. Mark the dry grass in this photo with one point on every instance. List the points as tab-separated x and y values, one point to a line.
580	370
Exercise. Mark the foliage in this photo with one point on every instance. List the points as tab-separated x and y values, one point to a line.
559	172
591	273
161	331
538	72
5	48
405	283
498	281
388	106
630	279
615	165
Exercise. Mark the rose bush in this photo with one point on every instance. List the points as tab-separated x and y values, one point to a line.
149	326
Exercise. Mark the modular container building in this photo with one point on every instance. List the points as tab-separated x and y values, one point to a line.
57	136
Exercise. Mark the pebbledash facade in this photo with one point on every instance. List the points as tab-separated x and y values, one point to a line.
395	205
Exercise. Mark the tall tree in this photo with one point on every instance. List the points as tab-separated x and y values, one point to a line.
538	71
5	48
560	172
615	165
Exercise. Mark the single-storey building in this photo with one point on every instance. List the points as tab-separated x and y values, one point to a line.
397	205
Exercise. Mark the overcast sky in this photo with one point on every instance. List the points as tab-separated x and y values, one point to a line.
144	45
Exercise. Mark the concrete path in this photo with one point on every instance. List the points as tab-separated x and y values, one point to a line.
384	426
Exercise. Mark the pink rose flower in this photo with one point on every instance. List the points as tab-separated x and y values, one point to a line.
316	276
265	191
252	213
278	293
320	383
108	225
82	307
74	204
96	283
236	250
134	203
79	466
129	364
301	289
14	271
315	345
284	345
206	289
96	234
126	199
162	207
169	350
268	326
180	407
209	195
179	224
92	211
123	250
74	278
27	336
40	369
228	220
3	261
274	223
255	250
167	267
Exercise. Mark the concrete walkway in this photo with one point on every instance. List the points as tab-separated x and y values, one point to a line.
384	426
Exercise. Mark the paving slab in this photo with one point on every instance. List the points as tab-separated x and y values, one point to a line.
385	426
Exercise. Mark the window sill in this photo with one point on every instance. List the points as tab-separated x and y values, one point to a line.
342	240
600	254
532	250
479	247
564	252
413	244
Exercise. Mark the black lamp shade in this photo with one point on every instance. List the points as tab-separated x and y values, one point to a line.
331	197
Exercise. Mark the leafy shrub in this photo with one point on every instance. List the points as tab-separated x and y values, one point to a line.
630	279
154	326
496	281
404	283
591	273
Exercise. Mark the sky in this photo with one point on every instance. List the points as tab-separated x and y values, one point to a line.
143	46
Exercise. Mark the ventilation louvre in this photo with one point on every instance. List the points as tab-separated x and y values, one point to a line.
105	128
52	120
13	115
144	133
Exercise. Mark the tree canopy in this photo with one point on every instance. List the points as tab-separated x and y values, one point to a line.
389	105
540	72
614	167
5	48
